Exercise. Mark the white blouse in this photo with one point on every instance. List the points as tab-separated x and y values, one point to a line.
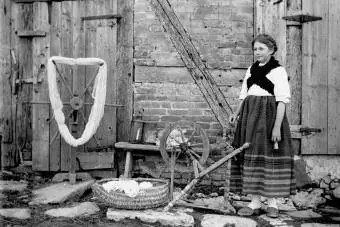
278	77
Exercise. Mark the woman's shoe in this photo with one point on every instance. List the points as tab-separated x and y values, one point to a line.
272	212
247	211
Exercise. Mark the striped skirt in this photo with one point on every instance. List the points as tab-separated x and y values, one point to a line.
261	170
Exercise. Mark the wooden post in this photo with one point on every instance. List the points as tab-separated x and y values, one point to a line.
294	70
125	72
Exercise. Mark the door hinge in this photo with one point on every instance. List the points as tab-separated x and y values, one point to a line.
305	131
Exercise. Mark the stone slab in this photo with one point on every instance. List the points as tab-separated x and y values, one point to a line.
59	193
18	213
305	214
282	220
12	186
151	216
213	220
82	209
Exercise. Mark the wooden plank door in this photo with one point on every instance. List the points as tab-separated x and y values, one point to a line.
101	41
320	86
71	36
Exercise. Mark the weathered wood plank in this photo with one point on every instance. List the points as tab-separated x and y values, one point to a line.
105	35
79	80
22	94
125	68
6	125
55	150
314	77
90	29
268	19
95	160
66	50
192	60
41	53
333	78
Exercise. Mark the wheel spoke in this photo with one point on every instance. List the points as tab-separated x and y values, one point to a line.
192	134
196	145
194	153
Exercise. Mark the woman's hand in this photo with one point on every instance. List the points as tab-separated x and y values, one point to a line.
233	119
276	134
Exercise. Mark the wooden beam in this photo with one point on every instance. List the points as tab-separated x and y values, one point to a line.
100	17
191	58
31	34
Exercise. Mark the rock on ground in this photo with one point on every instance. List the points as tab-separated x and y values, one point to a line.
336	192
213	220
59	193
306	200
12	186
151	216
82	209
16	213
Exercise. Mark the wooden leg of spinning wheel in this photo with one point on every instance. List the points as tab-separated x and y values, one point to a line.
128	165
195	165
72	165
172	172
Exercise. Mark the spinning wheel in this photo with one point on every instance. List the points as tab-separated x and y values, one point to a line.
76	103
187	139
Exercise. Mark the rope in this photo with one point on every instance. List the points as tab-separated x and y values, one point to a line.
98	94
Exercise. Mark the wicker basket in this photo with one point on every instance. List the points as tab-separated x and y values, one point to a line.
146	198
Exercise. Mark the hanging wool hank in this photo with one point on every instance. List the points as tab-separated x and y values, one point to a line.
98	94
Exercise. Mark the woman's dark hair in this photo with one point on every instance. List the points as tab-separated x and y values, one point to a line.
267	40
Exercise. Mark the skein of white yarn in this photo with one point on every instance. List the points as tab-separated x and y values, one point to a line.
98	94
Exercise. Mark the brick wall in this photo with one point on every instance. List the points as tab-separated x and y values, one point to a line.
221	30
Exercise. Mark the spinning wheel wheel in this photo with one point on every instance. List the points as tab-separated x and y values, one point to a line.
188	139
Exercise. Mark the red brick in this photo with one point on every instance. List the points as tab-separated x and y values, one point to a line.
155	111
170	118
183	105
195	112
177	112
201	105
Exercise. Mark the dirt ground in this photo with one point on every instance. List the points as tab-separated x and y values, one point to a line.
39	219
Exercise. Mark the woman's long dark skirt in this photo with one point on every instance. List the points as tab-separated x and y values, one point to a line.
260	169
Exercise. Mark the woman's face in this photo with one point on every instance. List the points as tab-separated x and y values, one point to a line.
262	52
